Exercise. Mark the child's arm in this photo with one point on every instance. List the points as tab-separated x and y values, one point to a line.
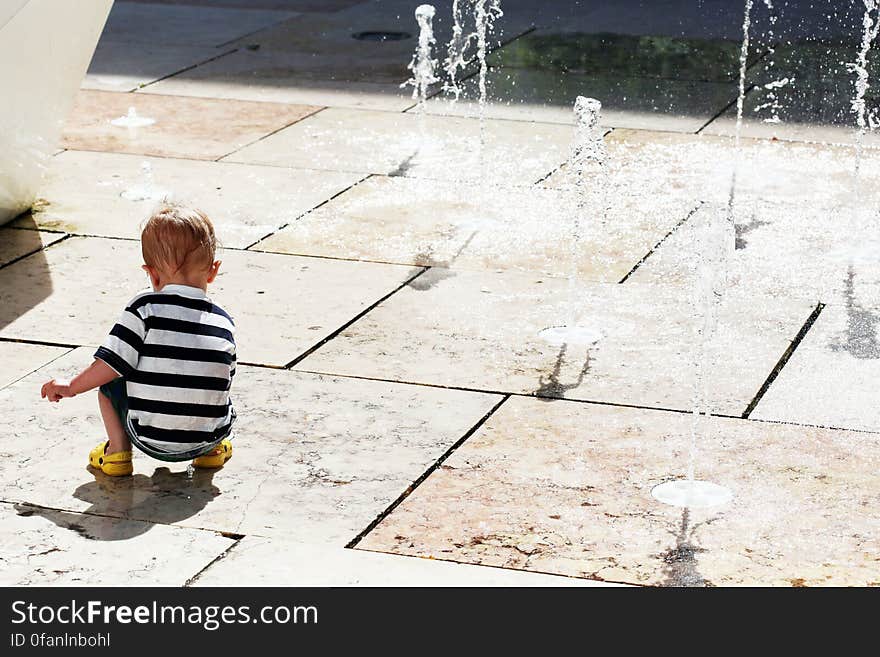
95	375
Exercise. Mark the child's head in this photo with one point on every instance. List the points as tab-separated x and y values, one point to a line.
179	245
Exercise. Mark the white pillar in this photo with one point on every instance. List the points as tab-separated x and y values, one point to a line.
45	50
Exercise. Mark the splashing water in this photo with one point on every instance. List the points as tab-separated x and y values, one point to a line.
485	14
864	118
718	240
457	48
772	88
146	190
743	63
423	65
132	120
586	165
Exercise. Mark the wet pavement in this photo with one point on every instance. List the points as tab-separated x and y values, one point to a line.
392	270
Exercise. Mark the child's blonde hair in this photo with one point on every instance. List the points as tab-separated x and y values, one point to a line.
178	238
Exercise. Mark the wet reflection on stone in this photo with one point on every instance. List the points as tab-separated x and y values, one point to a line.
743	229
860	340
624	55
551	388
165	498
681	561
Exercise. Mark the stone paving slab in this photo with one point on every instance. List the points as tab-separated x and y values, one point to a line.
566	488
316	458
174	25
110	194
652	163
120	66
20	359
777	249
481	330
44	547
197	128
427	222
831	380
15	243
256	560
640	103
282	305
414	145
291	78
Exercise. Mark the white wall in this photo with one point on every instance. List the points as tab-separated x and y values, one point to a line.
45	49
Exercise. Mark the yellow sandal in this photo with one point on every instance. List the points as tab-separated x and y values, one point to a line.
216	458
117	464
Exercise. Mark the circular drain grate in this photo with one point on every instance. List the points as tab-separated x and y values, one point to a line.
381	36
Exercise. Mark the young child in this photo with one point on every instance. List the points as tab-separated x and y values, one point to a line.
166	368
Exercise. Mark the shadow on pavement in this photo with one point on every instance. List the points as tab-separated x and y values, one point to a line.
165	498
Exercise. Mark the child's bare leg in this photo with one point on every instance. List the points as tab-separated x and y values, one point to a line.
119	442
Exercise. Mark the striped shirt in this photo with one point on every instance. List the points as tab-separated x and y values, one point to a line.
176	351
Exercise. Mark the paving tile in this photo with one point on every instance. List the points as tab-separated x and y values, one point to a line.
428	222
566	488
831	380
340	81
259	290
481	330
121	66
44	547
20	359
198	128
15	243
641	103
319	565
793	250
316	458
110	194
770	171
174	25
415	146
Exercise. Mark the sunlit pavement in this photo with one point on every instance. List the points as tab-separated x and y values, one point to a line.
393	268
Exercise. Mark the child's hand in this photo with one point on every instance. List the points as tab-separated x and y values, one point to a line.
55	390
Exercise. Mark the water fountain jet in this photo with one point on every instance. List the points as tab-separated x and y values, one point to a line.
423	65
586	167
132	120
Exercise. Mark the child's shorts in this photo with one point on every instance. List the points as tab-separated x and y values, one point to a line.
117	394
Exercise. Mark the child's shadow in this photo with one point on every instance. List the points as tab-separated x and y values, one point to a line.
125	507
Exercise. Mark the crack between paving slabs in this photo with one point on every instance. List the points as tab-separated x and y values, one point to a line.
219	557
592	576
269	134
35	251
732	103
681	223
46	364
183	70
361	314
357	539
307	212
783	360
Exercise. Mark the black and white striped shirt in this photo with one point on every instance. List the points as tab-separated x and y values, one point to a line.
176	351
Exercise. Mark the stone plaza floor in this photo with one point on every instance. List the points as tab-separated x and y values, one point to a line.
401	419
